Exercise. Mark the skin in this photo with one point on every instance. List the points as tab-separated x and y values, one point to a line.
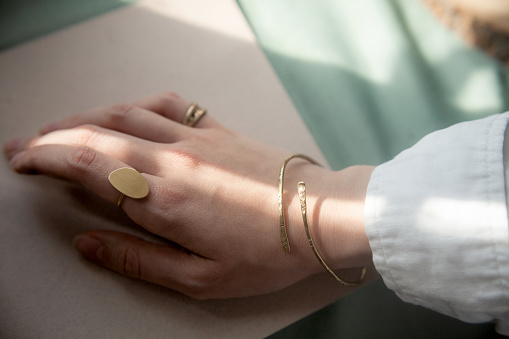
213	196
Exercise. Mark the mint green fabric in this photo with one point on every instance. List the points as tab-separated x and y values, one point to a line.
22	20
370	78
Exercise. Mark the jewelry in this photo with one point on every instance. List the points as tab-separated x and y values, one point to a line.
301	187
193	114
282	227
128	182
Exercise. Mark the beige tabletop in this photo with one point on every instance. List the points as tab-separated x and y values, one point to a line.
203	50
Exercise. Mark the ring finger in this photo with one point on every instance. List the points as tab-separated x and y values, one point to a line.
173	107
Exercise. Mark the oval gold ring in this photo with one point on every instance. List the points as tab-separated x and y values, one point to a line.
129	182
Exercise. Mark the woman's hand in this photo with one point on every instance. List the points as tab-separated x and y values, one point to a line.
212	192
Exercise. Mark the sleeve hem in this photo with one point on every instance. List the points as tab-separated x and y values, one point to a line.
436	220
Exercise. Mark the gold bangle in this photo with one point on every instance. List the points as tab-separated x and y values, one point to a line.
301	187
282	227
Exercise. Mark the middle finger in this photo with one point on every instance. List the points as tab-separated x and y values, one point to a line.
125	118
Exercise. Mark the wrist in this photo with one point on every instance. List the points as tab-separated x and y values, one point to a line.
335	213
342	217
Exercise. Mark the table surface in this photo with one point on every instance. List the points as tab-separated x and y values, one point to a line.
47	290
208	53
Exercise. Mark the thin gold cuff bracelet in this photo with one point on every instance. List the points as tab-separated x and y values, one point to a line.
302	197
282	225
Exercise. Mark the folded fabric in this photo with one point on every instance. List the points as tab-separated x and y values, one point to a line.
437	220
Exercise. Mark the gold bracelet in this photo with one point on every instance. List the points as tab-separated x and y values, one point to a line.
282	227
301	187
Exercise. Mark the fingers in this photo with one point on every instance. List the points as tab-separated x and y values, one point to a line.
133	151
85	165
157	118
131	256
173	107
125	118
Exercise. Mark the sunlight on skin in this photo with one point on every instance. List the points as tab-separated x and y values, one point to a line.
117	144
335	220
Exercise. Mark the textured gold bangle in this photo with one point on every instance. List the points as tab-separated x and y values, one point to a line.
282	226
302	197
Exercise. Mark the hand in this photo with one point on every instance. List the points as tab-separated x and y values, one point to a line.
212	191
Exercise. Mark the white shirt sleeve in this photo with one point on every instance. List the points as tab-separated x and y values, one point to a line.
437	221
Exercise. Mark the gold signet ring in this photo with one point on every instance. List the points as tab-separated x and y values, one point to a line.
129	182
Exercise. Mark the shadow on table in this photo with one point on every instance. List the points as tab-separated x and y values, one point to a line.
22	20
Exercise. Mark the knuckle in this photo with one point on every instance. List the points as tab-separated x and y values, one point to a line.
87	135
82	158
130	262
120	112
121	108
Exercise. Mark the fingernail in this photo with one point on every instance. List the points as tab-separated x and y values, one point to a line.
90	247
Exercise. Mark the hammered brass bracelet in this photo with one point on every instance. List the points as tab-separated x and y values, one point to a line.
301	187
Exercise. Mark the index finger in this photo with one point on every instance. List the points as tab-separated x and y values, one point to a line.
84	165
